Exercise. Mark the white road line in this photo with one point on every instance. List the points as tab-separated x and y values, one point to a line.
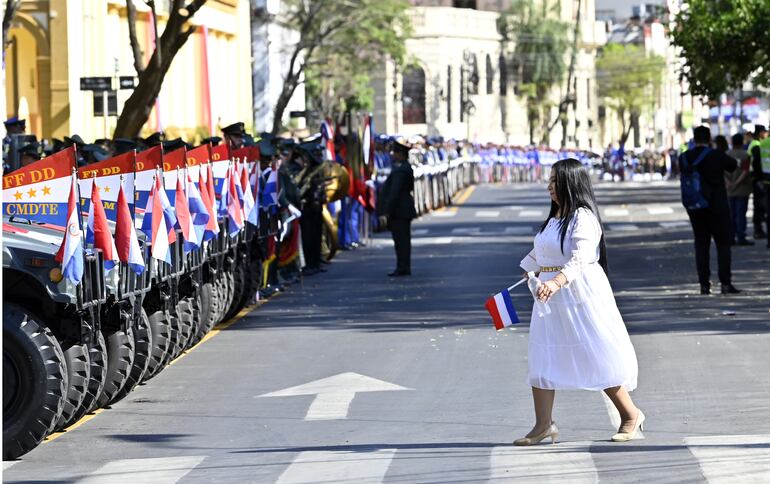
615	212
518	230
564	462
623	227
338	467
488	213
445	213
675	224
9	463
162	470
420	231
732	458
442	240
466	230
531	213
660	210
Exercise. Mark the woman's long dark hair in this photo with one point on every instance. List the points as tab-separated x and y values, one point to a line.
573	190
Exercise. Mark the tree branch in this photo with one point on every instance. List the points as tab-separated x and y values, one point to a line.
135	49
11	6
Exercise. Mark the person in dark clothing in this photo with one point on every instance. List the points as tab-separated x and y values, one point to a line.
759	187
311	186
399	207
714	220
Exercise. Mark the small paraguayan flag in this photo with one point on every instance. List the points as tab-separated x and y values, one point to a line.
501	309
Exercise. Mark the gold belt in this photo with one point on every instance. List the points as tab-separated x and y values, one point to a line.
551	269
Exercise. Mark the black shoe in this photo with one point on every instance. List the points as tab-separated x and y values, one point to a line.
745	242
398	273
730	289
705	290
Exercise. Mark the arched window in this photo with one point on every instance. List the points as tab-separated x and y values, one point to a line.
503	75
413	99
490	76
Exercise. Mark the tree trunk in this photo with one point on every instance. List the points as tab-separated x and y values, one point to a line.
289	86
564	107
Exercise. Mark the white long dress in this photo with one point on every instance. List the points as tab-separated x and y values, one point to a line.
582	343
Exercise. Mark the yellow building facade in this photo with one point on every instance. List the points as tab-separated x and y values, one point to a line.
55	43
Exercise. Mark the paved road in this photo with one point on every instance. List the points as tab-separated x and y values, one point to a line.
408	382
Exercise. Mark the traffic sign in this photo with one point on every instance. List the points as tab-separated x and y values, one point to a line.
127	82
95	83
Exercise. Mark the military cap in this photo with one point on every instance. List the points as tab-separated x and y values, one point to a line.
759	128
75	139
286	144
15	121
214	140
175	144
266	148
97	152
400	144
235	129
123	145
154	139
30	149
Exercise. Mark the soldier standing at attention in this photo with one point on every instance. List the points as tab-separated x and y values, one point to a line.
760	133
399	206
233	135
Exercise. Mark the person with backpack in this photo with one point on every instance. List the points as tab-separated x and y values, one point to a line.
704	196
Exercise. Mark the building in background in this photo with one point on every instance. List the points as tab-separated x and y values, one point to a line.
55	43
456	44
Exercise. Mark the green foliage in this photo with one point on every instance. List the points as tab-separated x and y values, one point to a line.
341	43
629	79
724	43
540	43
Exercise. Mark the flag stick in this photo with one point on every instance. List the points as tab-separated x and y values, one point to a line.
522	281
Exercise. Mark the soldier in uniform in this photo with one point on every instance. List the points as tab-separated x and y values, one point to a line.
760	133
13	126
233	135
312	197
398	206
29	153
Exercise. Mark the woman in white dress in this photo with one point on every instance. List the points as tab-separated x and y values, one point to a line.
577	337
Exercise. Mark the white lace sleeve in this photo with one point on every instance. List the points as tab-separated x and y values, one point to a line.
529	263
583	242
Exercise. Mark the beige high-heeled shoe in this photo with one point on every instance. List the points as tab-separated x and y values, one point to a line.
552	431
626	436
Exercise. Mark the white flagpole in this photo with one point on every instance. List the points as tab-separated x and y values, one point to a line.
522	281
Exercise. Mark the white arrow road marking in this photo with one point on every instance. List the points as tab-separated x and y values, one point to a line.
338	467
488	213
163	470
564	462
732	458
335	393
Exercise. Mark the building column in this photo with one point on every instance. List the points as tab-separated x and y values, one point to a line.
59	113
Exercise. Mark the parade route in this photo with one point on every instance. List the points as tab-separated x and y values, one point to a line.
351	376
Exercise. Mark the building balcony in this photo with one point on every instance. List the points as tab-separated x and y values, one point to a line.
454	22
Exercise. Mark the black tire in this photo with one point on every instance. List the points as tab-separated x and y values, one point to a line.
198	324
34	381
239	280
78	376
120	359
249	284
221	297
230	276
208	295
186	322
176	337
143	347
161	332
97	357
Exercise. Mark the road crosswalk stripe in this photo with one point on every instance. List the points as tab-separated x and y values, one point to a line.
466	230
675	224
338	467
623	227
565	462
615	212
420	231
732	458
660	210
161	470
488	213
518	230
531	213
450	212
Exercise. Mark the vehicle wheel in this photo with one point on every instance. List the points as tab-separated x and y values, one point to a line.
199	318
230	292
160	343
78	375
208	296
120	359
174	338
238	282
97	357
249	284
186	322
222	293
143	348
34	381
